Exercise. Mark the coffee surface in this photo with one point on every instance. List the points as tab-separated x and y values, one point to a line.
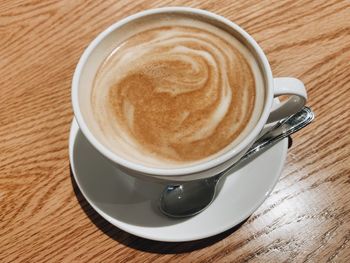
175	93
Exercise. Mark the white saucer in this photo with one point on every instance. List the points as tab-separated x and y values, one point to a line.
132	204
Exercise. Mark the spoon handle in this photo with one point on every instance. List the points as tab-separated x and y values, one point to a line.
281	130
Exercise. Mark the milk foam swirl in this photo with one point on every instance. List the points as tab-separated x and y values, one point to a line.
177	93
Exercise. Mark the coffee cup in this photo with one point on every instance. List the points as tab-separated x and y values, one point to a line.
95	55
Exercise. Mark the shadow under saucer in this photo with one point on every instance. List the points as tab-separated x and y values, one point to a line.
142	244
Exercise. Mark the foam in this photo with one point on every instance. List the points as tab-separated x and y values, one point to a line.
178	92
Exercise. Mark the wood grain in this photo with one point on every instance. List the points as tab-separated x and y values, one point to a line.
43	216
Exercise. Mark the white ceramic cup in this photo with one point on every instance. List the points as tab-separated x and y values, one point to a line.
102	46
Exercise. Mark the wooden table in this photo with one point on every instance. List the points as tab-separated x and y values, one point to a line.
43	216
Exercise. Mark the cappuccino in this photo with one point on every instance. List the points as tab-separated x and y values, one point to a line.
175	92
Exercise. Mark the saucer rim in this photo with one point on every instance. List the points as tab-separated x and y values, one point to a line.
134	230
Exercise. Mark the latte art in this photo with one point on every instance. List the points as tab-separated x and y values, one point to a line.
176	94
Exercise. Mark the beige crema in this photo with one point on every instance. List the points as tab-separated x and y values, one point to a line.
178	92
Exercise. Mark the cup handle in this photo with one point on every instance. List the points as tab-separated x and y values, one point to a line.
297	100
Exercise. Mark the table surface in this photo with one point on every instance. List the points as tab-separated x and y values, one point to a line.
44	218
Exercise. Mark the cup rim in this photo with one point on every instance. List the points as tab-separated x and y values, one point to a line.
180	171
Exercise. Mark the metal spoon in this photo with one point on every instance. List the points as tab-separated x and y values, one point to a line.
191	198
